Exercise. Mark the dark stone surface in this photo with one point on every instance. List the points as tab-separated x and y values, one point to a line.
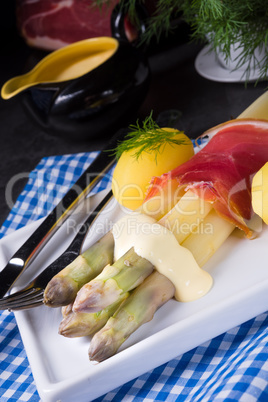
175	85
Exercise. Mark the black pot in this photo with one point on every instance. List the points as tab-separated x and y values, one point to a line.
99	102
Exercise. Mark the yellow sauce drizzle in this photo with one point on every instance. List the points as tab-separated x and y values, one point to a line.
159	246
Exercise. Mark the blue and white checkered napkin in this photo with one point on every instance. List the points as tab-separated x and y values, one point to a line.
230	367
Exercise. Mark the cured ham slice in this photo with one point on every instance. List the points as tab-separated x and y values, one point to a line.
222	171
51	24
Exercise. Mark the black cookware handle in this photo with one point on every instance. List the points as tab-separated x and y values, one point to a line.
118	22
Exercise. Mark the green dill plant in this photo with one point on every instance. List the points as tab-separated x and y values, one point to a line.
225	22
148	137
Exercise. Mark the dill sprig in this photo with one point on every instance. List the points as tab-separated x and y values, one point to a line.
148	137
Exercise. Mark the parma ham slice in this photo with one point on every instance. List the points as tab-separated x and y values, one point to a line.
222	171
51	24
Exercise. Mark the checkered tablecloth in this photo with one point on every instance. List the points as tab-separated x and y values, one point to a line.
230	367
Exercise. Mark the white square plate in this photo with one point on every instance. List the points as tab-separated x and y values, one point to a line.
61	367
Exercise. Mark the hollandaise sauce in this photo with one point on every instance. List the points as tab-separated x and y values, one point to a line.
159	246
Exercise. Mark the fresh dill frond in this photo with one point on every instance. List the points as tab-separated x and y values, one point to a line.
148	137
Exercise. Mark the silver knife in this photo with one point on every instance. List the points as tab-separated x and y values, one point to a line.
35	243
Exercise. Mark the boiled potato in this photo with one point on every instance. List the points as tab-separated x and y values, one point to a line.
133	175
260	193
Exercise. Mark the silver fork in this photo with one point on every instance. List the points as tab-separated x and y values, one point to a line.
32	294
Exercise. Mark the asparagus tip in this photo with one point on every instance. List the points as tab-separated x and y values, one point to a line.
67	328
59	292
101	347
95	296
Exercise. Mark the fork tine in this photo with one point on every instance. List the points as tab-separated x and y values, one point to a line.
16	296
26	305
30	297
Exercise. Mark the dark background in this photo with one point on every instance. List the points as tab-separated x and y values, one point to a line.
175	85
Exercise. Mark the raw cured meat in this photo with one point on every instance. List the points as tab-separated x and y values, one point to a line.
51	24
222	171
